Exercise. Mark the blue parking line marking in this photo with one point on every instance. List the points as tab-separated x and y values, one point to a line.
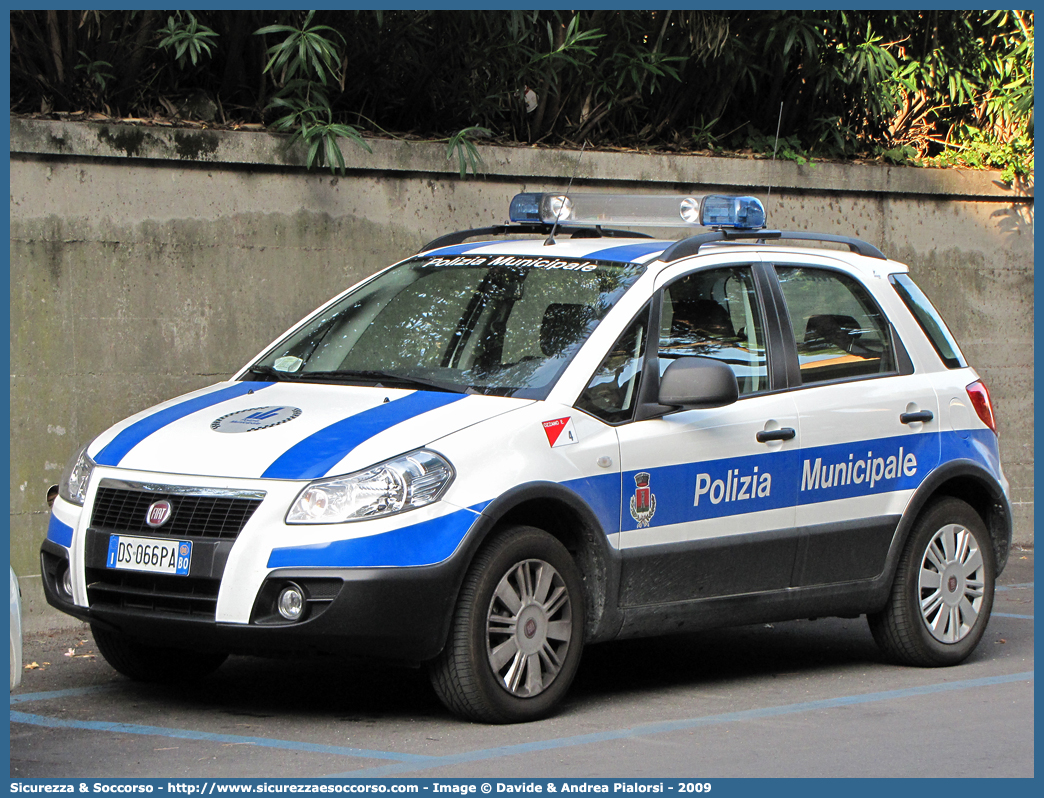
407	763
682	725
1011	615
189	734
70	693
1018	586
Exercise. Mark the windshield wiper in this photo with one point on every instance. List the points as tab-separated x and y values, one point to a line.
420	382
374	375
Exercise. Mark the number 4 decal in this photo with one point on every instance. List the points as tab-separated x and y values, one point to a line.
560	432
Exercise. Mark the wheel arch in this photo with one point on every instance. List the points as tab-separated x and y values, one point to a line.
564	515
971	483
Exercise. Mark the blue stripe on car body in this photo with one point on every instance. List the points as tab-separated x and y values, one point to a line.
426	543
622	253
433	541
690	492
979	446
116	449
673	488
602	494
315	455
627	253
59	532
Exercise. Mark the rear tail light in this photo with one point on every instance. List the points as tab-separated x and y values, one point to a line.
980	399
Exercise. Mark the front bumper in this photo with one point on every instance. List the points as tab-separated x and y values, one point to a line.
400	613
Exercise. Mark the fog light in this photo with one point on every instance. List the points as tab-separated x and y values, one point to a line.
291	602
67	582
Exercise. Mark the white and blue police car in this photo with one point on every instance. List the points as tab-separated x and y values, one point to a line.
552	432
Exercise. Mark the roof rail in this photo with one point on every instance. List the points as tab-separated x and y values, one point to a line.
461	236
691	245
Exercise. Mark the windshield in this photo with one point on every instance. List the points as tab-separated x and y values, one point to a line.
491	324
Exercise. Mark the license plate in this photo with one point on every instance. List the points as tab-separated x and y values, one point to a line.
149	554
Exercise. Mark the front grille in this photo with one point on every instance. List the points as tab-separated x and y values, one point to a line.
182	596
210	518
193	516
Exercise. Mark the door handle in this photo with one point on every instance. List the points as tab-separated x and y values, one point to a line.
784	434
920	415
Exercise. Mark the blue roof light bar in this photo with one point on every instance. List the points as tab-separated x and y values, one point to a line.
639	210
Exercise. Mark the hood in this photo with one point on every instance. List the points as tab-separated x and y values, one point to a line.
287	430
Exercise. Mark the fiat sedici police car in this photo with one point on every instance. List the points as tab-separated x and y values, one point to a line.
536	436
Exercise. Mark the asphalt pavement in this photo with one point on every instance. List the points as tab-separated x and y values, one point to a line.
802	698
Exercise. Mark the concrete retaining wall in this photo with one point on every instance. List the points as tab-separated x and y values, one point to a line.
148	261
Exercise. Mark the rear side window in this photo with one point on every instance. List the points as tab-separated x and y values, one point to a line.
930	320
839	330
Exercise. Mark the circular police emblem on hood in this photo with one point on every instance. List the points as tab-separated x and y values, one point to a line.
254	419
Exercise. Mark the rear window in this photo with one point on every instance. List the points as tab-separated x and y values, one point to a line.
930	320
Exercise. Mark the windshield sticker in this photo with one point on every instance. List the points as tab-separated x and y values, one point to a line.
512	260
256	418
289	363
560	432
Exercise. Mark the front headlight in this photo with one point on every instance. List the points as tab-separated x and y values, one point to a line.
405	483
73	486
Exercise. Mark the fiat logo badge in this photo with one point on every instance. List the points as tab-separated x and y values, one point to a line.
159	513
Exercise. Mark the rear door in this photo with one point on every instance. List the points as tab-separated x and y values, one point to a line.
867	424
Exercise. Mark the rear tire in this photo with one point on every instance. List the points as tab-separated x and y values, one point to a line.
145	663
517	632
942	594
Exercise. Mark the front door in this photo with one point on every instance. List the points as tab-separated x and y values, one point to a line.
709	496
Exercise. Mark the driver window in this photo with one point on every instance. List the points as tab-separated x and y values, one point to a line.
715	314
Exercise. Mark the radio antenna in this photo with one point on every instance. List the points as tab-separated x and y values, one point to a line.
774	146
551	238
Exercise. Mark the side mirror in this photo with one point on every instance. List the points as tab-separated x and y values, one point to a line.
698	382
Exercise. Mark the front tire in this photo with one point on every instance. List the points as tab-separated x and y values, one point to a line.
517	633
943	590
145	663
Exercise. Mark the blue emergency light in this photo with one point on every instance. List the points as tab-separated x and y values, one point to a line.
639	210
